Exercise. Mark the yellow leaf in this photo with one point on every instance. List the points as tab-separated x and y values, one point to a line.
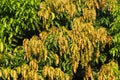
1	73
53	15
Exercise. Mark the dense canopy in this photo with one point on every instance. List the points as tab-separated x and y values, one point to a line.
59	40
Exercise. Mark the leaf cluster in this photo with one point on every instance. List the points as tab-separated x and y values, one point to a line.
17	18
76	39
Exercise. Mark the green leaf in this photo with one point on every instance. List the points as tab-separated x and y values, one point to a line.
1	46
17	29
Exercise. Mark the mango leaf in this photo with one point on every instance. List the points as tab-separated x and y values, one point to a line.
1	46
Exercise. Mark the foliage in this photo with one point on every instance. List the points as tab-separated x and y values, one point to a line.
115	32
14	59
25	71
108	16
76	41
61	13
104	13
17	18
61	48
109	71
